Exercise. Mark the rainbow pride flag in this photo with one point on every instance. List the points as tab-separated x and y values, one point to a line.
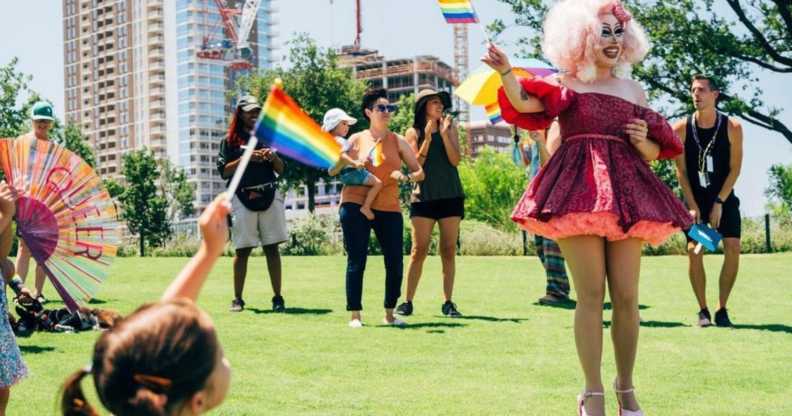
285	127
493	112
458	11
376	155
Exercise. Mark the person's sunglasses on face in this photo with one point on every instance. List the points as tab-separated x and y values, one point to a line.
383	108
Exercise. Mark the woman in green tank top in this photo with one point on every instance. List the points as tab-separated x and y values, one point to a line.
439	198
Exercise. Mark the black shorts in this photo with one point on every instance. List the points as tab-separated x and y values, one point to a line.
731	221
439	208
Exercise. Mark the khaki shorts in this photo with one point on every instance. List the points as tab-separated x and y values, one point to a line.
258	228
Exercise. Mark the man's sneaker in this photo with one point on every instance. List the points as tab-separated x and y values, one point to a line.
722	318
405	309
356	323
704	318
237	305
278	304
449	309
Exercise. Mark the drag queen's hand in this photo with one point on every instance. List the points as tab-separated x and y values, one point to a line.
637	131
496	59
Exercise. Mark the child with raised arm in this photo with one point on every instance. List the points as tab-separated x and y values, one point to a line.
353	172
12	368
165	358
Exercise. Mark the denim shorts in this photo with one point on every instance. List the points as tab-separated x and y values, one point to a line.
352	176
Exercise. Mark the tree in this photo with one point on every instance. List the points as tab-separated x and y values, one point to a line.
780	188
492	186
404	116
179	193
691	36
72	138
316	82
14	117
666	171
114	188
144	209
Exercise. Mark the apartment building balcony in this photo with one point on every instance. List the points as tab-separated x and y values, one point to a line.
157	65
153	5
155	28
156	39
156	53
157	80
155	15
157	105
157	115
157	131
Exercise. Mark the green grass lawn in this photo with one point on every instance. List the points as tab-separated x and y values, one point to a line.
506	356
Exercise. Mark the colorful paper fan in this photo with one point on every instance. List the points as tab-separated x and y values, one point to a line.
64	215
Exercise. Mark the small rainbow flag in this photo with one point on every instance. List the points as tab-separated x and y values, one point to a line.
458	11
493	112
284	126
376	155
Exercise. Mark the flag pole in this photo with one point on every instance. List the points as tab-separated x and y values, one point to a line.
479	24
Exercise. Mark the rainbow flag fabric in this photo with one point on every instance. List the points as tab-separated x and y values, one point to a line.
493	113
376	155
285	127
458	11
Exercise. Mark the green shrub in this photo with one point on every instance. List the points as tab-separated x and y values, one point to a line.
314	235
493	185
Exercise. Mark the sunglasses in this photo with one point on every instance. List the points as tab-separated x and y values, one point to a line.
382	108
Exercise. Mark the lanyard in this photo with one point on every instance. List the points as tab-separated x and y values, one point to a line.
703	153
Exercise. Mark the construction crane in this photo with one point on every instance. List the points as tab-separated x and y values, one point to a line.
236	45
359	27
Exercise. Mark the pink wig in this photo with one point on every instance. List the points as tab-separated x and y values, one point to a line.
572	32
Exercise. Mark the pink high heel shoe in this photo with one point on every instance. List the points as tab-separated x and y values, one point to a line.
582	399
623	411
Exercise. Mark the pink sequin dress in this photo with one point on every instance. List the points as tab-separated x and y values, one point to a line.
596	183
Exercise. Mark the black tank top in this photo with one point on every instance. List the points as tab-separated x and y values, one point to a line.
720	152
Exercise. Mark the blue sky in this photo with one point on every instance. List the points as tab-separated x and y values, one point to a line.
401	28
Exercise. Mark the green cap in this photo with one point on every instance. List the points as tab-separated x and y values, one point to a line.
42	110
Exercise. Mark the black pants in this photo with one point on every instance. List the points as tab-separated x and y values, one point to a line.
388	228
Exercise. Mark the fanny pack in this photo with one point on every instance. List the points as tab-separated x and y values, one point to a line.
257	197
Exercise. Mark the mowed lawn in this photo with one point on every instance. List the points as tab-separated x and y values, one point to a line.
506	356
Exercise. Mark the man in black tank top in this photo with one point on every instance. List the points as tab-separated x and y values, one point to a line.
707	170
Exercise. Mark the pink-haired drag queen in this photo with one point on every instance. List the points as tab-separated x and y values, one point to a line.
597	195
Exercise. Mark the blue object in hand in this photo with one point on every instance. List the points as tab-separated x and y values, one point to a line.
704	236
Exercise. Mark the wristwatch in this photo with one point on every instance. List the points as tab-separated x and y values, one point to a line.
718	200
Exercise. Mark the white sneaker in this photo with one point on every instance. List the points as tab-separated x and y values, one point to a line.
395	322
356	323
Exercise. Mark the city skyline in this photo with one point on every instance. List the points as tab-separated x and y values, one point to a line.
41	55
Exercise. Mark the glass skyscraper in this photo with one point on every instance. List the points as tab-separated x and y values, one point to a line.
201	102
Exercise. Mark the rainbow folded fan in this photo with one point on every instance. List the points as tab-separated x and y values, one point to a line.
64	216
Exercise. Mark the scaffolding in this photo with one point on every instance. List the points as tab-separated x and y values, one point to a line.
461	66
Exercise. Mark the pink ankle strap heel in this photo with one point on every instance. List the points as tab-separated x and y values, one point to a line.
623	411
582	399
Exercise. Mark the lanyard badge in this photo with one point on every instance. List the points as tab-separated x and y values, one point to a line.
706	164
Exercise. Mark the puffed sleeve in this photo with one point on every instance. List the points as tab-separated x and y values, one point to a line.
660	132
554	97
